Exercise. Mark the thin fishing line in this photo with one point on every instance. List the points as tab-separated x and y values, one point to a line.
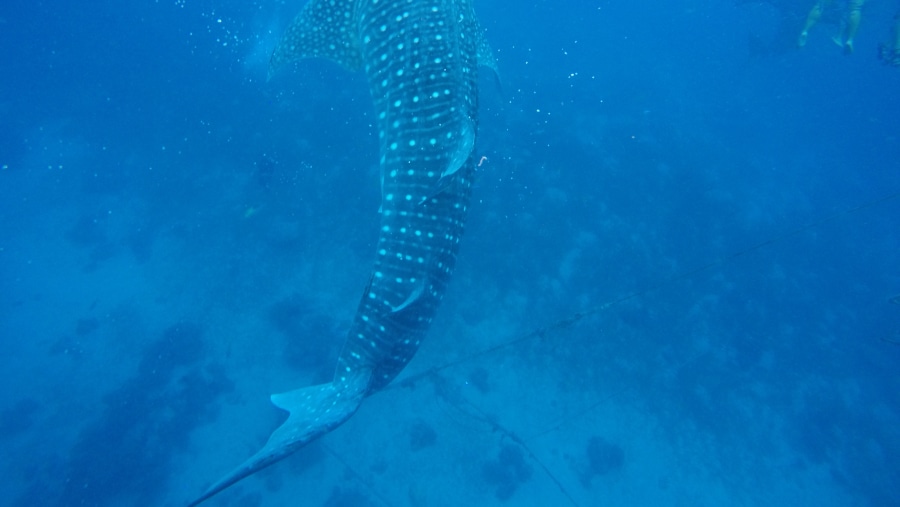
580	315
464	406
356	475
433	373
893	338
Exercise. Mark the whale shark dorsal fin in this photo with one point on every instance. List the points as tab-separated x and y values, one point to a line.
324	29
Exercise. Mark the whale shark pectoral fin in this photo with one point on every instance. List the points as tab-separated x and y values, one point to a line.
484	55
314	411
325	29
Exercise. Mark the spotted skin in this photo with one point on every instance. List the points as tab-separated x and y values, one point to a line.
421	58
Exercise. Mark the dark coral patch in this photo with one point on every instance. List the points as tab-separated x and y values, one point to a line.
421	435
18	418
603	457
507	472
341	497
123	458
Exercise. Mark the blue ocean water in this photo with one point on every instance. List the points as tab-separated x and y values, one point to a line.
679	285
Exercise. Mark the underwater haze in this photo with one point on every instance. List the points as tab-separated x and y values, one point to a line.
679	283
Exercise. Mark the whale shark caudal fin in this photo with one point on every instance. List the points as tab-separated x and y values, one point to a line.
314	411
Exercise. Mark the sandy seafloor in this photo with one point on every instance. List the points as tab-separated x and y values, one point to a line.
677	287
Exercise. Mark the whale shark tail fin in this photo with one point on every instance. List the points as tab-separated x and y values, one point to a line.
314	411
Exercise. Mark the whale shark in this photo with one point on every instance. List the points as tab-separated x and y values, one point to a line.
421	59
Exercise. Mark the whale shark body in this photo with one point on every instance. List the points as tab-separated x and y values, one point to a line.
421	59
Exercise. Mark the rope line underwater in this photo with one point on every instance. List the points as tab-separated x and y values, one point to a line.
893	338
458	401
580	315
